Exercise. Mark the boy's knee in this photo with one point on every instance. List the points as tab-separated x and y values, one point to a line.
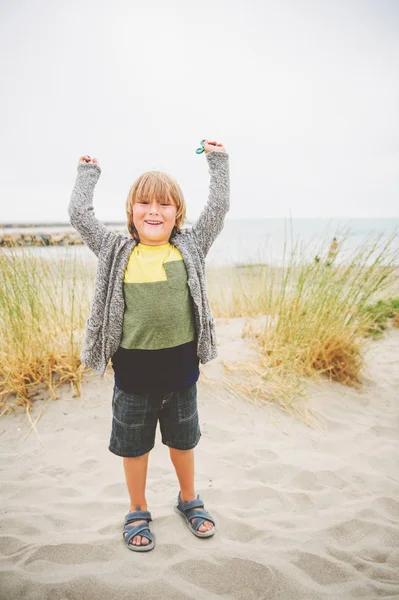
140	457
171	450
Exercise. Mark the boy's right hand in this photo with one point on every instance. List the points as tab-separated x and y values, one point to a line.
87	159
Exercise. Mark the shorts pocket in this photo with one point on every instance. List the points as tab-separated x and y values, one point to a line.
129	410
187	408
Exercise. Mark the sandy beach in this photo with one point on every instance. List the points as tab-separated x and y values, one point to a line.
302	513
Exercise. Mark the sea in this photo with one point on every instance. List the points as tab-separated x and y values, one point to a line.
274	241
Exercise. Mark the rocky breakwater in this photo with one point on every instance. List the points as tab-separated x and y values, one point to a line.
65	238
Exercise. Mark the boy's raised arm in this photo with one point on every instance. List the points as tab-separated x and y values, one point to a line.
81	210
210	222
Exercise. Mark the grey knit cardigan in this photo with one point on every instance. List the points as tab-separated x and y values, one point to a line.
103	330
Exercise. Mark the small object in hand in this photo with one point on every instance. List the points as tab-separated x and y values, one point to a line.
201	149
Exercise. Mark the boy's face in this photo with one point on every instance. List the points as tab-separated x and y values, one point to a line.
164	212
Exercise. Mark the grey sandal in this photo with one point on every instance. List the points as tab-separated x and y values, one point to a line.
187	511
140	529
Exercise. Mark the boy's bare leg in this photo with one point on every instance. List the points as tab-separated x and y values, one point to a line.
136	477
183	461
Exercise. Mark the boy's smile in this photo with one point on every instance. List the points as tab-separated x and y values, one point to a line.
154	221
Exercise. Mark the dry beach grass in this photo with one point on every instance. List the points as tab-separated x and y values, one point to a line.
311	318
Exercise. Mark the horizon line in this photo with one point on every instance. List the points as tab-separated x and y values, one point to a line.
188	221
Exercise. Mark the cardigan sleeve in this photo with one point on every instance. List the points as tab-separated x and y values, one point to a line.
211	221
81	210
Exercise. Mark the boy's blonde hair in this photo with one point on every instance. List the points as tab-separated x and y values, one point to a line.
158	185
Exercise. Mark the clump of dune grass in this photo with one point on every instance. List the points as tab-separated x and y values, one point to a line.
317	316
321	321
43	306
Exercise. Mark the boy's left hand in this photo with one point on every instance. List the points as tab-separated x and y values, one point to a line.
210	146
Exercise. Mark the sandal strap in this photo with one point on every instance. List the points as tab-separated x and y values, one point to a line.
137	515
201	516
131	531
196	503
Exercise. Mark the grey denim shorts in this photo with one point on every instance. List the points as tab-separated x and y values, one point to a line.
135	418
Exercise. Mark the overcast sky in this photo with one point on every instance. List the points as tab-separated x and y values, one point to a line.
303	94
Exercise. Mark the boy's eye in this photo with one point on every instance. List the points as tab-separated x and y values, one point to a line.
146	202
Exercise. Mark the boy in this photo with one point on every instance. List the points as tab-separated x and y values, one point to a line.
150	314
